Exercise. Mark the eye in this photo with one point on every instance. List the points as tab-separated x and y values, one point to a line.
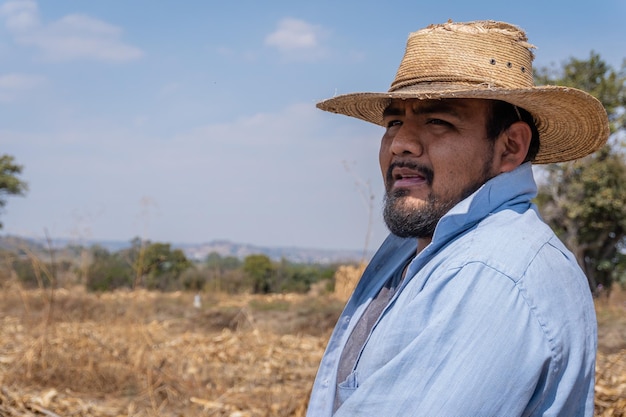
393	122
438	122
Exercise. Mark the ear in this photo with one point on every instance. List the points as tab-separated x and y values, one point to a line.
513	146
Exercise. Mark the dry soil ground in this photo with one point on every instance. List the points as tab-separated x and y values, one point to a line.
70	353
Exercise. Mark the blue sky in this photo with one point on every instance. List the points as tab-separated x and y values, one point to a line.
186	122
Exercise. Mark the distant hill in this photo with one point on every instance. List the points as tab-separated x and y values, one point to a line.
294	254
198	251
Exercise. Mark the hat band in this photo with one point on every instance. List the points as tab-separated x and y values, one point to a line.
442	85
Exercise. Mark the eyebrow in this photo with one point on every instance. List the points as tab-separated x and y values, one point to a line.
392	110
441	107
435	106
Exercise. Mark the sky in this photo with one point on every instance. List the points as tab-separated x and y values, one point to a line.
195	121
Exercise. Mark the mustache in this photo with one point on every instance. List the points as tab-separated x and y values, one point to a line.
423	170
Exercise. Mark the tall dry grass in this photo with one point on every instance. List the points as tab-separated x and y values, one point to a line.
152	354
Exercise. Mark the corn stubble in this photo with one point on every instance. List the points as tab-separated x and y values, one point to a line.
155	354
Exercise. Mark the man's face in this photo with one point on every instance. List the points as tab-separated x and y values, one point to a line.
434	153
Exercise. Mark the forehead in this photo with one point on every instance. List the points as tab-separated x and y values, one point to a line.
460	107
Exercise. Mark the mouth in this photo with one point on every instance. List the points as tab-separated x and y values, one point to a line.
407	175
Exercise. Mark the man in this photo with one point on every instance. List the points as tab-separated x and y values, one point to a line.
471	306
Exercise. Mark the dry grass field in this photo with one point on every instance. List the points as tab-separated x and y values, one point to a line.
71	353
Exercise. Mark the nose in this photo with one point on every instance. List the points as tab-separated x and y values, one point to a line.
406	140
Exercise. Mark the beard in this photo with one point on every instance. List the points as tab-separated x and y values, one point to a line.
409	221
403	220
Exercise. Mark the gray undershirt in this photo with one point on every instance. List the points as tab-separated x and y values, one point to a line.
364	326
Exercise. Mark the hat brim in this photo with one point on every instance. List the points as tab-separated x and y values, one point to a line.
571	123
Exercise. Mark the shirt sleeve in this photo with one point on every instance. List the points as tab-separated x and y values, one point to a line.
468	344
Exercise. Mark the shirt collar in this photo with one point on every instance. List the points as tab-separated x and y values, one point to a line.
512	190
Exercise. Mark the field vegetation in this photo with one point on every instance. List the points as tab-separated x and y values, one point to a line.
67	351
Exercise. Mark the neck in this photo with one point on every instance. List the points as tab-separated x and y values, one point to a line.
422	242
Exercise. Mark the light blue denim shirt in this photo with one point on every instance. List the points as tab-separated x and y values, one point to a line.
494	318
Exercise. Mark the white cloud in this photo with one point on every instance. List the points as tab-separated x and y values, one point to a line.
83	24
19	81
298	39
74	36
256	131
12	84
20	14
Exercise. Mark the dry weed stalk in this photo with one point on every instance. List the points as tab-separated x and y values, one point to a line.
367	195
346	278
36	355
145	354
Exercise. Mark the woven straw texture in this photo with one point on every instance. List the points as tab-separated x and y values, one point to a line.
487	60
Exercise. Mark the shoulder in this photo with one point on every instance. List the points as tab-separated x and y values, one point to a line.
515	264
511	243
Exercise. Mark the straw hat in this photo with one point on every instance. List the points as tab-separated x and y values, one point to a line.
487	60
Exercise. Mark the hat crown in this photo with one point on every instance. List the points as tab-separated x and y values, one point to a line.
485	54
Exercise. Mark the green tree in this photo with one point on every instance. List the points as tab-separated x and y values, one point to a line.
585	201
161	266
108	271
221	264
261	272
298	277
224	273
266	276
10	184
